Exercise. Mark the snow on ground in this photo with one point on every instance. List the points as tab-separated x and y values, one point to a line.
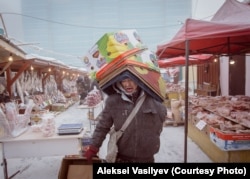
171	150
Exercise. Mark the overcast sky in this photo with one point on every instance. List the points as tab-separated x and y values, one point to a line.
67	29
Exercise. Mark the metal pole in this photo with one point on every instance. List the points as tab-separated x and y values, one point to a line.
186	99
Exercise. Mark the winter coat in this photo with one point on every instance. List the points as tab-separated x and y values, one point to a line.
141	139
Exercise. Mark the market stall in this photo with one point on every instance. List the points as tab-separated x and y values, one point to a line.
228	33
47	82
220	125
34	90
175	91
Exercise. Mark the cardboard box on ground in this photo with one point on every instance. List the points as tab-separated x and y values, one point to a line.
76	167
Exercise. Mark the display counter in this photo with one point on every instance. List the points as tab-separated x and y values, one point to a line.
34	144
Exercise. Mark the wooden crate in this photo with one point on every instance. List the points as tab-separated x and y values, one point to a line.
167	103
182	95
58	107
173	95
75	166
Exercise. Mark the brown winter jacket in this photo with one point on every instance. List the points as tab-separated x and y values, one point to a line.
141	139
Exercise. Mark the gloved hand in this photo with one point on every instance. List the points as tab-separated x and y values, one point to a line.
91	152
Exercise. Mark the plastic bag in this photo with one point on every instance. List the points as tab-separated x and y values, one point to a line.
4	126
18	123
48	127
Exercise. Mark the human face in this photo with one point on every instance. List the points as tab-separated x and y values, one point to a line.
129	86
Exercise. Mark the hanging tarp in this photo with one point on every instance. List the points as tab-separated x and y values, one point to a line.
180	61
227	33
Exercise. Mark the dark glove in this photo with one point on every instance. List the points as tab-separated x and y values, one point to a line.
91	152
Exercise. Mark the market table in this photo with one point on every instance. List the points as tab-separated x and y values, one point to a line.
34	144
93	112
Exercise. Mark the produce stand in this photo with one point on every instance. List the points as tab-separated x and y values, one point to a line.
209	37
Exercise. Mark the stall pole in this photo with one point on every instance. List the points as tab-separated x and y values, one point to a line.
186	99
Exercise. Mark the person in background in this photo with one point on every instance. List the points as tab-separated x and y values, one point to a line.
4	94
83	87
141	139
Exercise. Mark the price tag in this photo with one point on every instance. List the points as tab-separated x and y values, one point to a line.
234	99
201	124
